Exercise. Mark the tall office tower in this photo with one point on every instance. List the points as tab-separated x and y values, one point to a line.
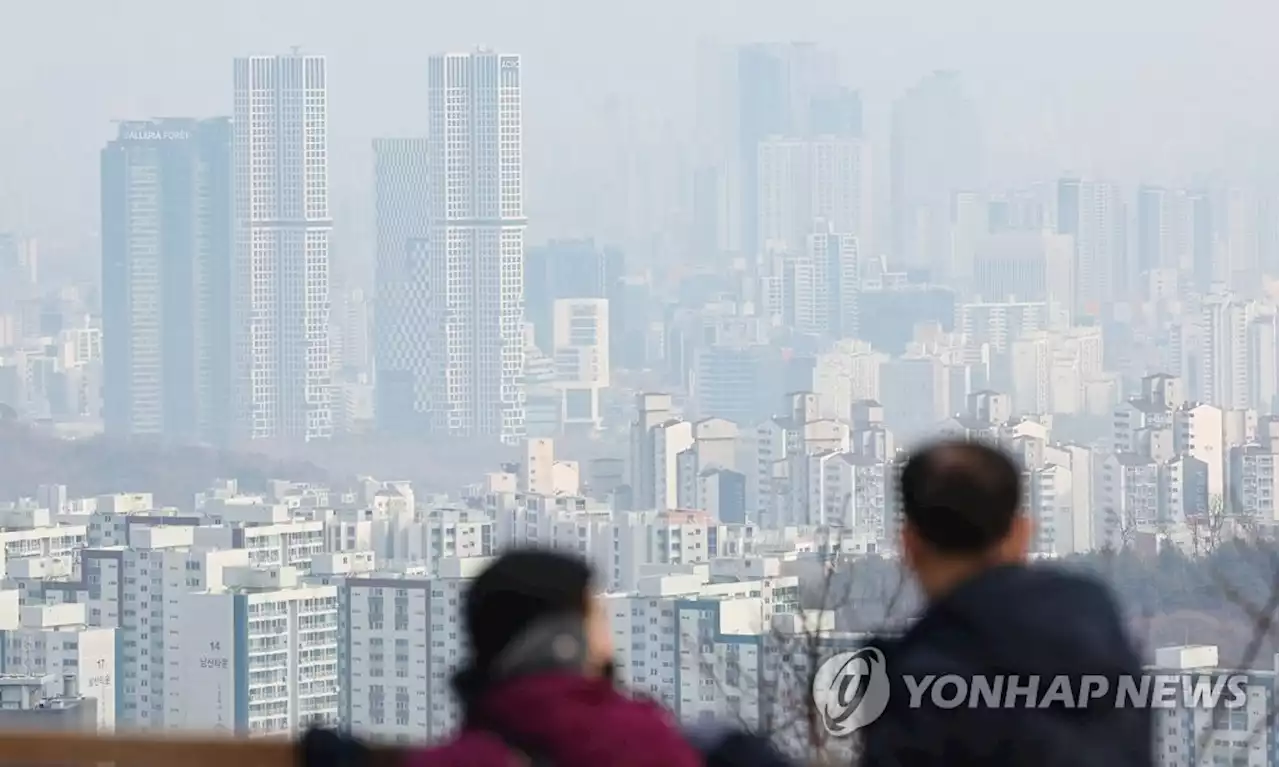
476	244
402	337
1093	213
806	180
166	279
935	151
283	378
780	90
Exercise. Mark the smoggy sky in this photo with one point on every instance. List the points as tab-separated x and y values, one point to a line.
1131	89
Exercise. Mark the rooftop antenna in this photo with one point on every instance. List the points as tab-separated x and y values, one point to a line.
295	49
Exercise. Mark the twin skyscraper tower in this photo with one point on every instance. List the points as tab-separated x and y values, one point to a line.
216	262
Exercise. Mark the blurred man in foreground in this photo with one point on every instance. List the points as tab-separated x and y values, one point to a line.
965	539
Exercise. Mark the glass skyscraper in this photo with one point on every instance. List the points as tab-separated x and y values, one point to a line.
166	271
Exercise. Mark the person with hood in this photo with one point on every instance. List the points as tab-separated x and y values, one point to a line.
539	687
989	616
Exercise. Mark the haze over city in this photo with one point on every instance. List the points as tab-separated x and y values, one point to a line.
1138	91
309	311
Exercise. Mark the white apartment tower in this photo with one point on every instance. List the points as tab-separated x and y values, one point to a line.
822	290
1223	359
476	245
404	641
652	411
280	325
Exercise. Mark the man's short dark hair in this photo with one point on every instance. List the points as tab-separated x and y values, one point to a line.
960	497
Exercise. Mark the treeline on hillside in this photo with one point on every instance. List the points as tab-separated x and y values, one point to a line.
98	465
1226	597
1239	573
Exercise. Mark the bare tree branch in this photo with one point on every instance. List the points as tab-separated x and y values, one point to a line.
1262	618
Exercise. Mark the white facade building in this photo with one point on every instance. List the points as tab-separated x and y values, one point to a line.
1093	213
435	535
580	343
138	591
257	657
475	249
1254	482
695	644
845	374
1130	497
1224	352
57	640
280	271
1243	736
404	643
820	285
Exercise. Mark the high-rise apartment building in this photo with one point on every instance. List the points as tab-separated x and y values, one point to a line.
1094	214
803	180
402	348
476	245
255	656
404	641
781	90
936	151
166	279
820	285
1224	350
281	267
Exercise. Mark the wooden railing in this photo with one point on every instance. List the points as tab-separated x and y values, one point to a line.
72	749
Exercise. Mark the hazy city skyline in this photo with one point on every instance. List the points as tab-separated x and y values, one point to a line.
1141	91
309	310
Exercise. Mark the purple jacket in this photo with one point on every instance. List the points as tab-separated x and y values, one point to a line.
574	721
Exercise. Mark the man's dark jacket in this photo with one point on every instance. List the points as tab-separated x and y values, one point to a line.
1023	621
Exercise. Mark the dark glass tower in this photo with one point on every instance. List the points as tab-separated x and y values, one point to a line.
166	276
